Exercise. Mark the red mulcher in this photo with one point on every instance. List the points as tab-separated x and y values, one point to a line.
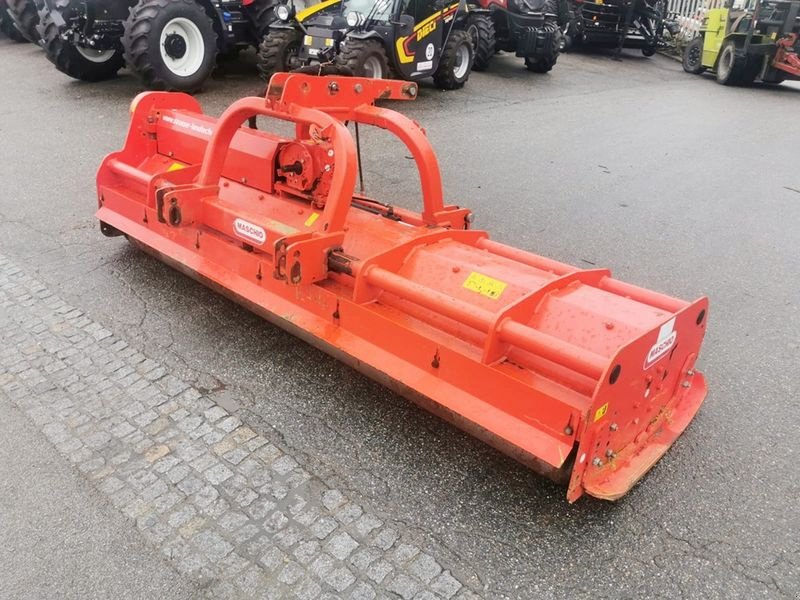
585	378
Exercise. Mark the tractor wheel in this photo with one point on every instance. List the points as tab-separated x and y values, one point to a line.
278	52
545	62
77	62
482	33
693	56
262	15
365	58
170	44
648	51
25	16
455	63
730	67
7	26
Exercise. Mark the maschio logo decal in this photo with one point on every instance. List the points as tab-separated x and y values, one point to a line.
665	342
249	231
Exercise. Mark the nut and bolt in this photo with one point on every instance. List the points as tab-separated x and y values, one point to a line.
690	372
610	453
613	427
567	430
597	462
686	384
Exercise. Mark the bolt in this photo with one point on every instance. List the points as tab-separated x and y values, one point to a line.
686	384
597	462
567	430
330	152
613	427
244	179
327	168
333	87
690	372
610	453
358	87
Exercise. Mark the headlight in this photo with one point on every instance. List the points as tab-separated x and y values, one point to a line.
282	12
354	18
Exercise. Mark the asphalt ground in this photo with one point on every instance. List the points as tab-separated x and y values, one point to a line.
672	181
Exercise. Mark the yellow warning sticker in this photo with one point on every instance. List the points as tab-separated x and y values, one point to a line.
312	219
485	285
175	167
601	412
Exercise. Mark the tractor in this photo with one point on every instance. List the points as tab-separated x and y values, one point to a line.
168	44
617	24
7	26
380	39
19	20
529	28
761	42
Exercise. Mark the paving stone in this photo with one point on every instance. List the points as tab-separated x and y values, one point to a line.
340	578
217	474
404	586
446	585
424	567
226	505
212	545
341	545
362	591
378	570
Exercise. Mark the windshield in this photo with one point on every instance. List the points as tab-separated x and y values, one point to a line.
376	10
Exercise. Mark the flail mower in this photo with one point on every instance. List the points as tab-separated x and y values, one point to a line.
583	377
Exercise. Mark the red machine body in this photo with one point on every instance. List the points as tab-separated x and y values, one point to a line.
583	377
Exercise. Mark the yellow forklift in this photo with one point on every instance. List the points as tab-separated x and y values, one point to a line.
759	41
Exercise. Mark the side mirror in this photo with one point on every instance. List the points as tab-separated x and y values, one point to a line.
406	25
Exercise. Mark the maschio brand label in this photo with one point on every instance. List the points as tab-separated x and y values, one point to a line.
665	342
249	231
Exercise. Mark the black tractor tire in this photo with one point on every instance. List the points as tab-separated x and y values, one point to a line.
152	62
484	39
73	61
731	69
452	73
262	15
25	16
276	52
693	56
546	62
7	26
365	58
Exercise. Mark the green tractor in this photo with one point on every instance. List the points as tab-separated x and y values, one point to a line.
741	45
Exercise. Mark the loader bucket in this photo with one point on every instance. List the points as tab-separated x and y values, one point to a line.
585	378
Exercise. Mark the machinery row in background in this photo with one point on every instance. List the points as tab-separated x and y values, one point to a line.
176	44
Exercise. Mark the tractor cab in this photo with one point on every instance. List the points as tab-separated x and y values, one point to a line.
381	39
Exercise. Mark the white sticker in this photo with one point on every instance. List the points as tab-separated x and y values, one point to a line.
197	128
425	66
429	50
665	342
249	231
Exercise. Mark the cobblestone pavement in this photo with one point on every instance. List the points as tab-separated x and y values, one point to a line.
230	508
